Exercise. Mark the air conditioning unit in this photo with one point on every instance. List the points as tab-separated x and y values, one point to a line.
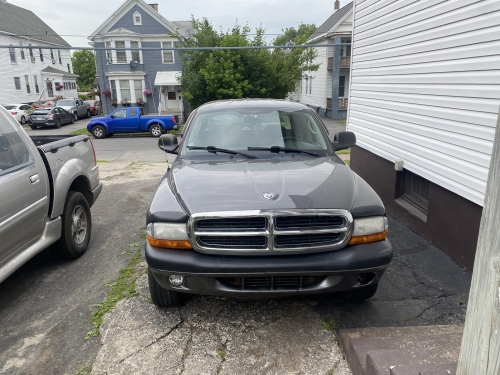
53	61
32	59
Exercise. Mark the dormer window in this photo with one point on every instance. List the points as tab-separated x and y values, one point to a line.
137	18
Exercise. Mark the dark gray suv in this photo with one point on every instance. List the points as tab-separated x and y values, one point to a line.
257	204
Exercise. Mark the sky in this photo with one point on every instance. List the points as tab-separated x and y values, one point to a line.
81	17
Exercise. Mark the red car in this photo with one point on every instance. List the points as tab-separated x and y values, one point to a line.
95	107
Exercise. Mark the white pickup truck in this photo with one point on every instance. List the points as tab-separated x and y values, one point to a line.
47	186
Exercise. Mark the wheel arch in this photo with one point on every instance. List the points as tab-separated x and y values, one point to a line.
154	122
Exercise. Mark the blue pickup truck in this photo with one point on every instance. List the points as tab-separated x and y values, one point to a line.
131	120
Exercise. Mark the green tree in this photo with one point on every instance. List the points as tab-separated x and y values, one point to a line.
84	66
232	74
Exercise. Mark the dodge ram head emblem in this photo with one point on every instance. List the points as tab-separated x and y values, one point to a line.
270	196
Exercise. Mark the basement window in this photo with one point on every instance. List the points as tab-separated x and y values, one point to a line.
416	190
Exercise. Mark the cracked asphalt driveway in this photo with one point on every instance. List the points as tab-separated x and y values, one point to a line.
45	306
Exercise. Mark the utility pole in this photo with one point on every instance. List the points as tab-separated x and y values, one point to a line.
480	351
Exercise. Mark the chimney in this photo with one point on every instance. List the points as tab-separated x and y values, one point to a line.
154	6
336	6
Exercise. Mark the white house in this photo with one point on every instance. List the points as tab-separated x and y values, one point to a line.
30	74
425	89
327	89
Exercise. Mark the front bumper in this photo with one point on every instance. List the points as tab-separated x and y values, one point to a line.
340	270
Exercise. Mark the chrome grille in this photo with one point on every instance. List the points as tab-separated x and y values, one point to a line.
270	232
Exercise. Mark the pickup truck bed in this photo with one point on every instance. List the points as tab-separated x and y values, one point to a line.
47	186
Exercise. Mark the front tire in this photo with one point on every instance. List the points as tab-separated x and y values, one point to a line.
155	130
162	297
88	113
72	121
23	120
76	227
75	116
99	132
360	294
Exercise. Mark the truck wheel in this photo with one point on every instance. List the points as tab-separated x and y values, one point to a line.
75	116
76	227
360	294
155	130
163	297
98	132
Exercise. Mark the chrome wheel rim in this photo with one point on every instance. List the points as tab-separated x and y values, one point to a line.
155	130
79	225
98	132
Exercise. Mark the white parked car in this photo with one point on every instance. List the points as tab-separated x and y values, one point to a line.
18	111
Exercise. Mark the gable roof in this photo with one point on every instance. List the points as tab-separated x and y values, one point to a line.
19	21
50	69
331	22
127	5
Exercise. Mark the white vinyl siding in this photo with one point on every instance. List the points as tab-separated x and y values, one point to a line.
425	87
315	90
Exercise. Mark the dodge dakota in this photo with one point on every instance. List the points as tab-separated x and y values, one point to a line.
47	186
258	204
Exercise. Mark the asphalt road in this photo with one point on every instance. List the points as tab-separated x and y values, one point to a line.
45	306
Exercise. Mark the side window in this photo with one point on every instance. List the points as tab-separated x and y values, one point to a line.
121	113
133	112
13	150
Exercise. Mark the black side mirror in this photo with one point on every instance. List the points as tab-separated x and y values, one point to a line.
168	143
343	140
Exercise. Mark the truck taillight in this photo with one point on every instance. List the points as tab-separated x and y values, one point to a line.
93	150
174	119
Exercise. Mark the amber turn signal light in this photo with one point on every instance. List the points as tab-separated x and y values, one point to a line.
369	238
170	244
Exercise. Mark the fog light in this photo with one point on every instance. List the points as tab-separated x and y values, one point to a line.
176	280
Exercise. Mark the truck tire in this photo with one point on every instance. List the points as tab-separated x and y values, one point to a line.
155	130
76	227
360	294
162	297
99	132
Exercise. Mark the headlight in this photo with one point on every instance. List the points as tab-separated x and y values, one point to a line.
369	229
168	235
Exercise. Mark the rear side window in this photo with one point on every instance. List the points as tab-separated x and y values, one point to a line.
13	151
133	112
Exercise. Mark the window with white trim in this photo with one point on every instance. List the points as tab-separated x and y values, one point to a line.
17	83
137	18
41	54
27	81
113	89
138	89
168	56
125	90
136	55
35	80
121	56
59	55
109	54
310	85
12	52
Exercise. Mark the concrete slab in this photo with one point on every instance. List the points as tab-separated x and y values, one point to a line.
401	350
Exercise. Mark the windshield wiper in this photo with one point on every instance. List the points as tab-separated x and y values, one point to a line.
214	150
278	149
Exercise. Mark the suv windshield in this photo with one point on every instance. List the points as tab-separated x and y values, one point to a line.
254	127
65	103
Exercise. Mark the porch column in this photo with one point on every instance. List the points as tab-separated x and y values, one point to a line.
335	78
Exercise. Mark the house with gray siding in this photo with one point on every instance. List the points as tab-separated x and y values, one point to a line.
129	75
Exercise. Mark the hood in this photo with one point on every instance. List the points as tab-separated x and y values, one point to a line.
66	107
319	183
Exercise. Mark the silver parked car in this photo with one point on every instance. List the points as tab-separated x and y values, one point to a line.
47	186
77	107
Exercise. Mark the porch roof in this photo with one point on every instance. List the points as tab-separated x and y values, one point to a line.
167	78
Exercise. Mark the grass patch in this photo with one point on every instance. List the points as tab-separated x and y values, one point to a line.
80	132
341	152
330	324
124	287
178	131
348	162
221	352
343	122
102	161
84	371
